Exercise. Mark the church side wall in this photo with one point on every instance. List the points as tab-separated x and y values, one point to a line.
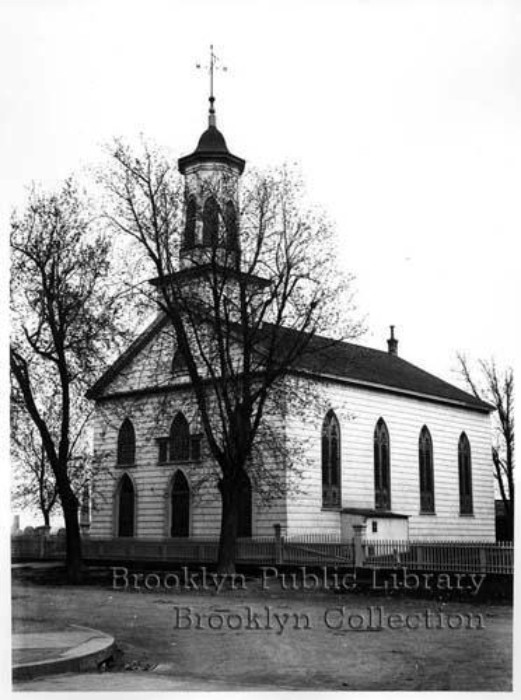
358	410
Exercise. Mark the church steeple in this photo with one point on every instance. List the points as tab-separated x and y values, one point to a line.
211	177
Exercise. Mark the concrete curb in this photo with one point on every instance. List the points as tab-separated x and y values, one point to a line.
86	655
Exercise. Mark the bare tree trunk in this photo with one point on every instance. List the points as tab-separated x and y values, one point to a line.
46	518
229	521
73	560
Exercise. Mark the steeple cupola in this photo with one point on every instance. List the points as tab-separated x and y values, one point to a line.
211	190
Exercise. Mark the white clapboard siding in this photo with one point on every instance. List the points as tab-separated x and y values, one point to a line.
358	410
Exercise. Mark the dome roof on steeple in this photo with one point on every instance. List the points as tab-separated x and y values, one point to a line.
212	141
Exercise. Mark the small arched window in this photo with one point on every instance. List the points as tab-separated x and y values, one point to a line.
180	506
230	219
465	476
426	464
382	467
178	363
191	216
179	439
210	222
126	444
125	506
244	520
331	461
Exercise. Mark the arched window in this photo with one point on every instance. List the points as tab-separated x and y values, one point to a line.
126	444
244	520
425	457
465	476
178	363
180	506
191	215
179	439
382	467
330	461
125	507
210	222
230	219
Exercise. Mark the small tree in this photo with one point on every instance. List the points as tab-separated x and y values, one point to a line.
496	386
64	323
265	285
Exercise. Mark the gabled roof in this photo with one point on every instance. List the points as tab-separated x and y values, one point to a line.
334	360
379	369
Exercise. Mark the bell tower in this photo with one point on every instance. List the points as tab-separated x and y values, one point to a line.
211	172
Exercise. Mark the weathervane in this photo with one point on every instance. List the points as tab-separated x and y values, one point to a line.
214	65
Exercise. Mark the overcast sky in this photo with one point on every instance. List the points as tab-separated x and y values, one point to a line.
404	117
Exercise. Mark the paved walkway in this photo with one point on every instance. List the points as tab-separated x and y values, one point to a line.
72	648
131	680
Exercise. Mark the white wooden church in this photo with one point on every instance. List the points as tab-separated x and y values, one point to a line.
396	450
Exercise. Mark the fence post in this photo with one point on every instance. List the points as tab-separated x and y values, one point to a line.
278	544
358	532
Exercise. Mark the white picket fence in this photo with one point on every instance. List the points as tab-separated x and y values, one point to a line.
305	549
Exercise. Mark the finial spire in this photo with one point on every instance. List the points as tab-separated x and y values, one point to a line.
211	67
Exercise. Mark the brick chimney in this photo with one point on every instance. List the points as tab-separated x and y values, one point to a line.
392	343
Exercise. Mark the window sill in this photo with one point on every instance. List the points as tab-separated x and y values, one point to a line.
332	508
126	466
174	462
467	515
427	512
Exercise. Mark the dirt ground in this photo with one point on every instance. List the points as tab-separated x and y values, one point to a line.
288	639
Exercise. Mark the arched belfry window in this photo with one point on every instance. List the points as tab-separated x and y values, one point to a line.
126	444
210	222
179	506
244	520
179	439
126	507
465	476
426	464
331	461
191	216
382	467
178	363
230	219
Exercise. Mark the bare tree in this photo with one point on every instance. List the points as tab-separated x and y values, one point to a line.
496	386
34	483
64	316
244	307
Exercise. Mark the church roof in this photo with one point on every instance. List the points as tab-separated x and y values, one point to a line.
335	360
376	369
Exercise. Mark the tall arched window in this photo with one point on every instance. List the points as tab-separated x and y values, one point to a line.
465	476
180	506
382	467
426	464
179	439
125	507
210	222
126	444
244	522
330	461
191	215
230	219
